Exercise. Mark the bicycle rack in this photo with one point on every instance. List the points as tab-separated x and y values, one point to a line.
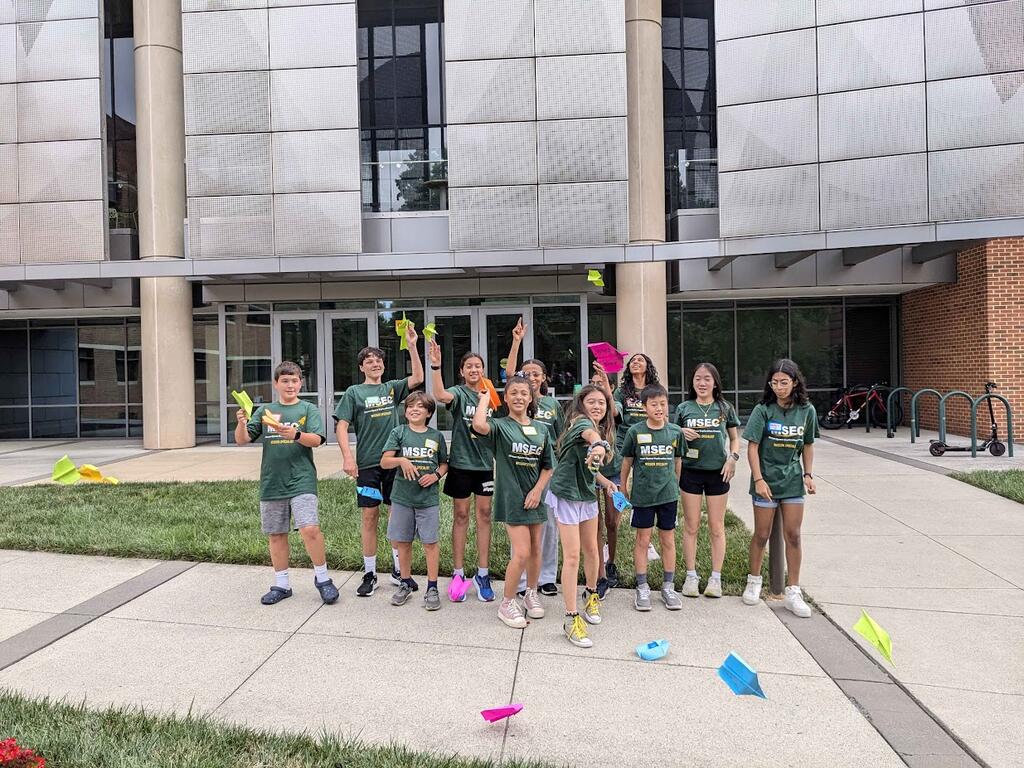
942	410
974	422
867	405
915	425
890	428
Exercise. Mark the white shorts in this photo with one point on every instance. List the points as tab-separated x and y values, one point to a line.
569	512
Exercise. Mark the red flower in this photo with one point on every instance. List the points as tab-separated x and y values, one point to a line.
13	756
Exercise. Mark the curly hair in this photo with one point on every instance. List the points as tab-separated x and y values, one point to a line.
626	385
791	369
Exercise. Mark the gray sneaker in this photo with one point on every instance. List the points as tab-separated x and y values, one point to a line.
691	587
670	598
402	594
642	601
431	600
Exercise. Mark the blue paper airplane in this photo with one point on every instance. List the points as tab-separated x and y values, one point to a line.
621	502
740	677
653	650
370	493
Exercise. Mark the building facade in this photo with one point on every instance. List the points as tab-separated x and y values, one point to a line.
192	190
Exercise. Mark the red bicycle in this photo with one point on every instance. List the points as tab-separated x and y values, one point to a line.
852	403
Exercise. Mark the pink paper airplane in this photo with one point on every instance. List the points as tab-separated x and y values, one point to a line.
458	590
500	713
608	356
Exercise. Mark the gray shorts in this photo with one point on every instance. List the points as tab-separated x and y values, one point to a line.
276	513
406	523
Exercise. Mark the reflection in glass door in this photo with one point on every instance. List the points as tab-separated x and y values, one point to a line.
496	337
347	334
455	334
297	338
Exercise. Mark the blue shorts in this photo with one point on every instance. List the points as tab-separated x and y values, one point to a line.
664	514
773	503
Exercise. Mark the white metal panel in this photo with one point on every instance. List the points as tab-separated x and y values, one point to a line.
74	103
876	121
872	53
767	134
874	192
778	66
492	154
741	18
225	41
975	40
298	103
498	91
320	224
228	164
58	50
993	106
316	161
584	214
60	170
579	26
313	36
487	218
581	86
980	183
769	201
59	232
488	29
582	150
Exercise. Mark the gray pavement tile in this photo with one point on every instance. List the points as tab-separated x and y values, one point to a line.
229	596
13	622
937	516
909	560
162	667
1003	555
908	729
468	624
848	515
425	696
702	634
1008	601
914	488
37	636
686	715
830	647
986	649
45	581
988	723
134	587
10	555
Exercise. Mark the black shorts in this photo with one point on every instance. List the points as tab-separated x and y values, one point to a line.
374	477
708	482
463	483
664	514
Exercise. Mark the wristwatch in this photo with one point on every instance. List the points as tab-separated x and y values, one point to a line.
298	432
808	474
435	367
734	456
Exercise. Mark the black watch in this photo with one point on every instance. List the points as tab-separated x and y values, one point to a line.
297	432
808	474
435	367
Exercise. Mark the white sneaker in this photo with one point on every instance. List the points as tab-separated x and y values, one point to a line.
794	601
652	553
531	601
510	613
691	587
752	594
713	588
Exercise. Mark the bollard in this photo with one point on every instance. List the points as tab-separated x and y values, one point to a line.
776	556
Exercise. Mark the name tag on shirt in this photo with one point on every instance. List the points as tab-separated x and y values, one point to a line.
431	444
692	453
643	438
529	430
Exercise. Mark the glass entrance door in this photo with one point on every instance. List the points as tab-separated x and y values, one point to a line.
299	338
346	334
456	333
495	337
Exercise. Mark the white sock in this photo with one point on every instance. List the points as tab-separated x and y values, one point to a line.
370	564
281	579
394	556
481	571
691	573
320	573
460	572
716	575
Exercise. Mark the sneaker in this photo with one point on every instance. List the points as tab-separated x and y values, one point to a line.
642	601
752	594
670	598
457	589
612	574
432	600
402	594
396	578
602	588
713	587
691	587
548	590
531	601
484	593
794	601
510	613
328	592
591	607
652	554
275	595
368	585
576	631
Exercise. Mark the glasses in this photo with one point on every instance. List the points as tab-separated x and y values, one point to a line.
781	383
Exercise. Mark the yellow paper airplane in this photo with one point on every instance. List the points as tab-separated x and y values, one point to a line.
64	471
429	331
400	328
244	402
93	475
594	276
868	628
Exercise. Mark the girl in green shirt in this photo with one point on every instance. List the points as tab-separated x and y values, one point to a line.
780	434
522	468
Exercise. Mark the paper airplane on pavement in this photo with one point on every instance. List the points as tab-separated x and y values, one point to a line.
740	677
868	628
500	713
64	471
653	650
93	475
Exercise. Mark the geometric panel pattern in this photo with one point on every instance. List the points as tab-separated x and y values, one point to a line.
8	113
769	201
298	99
492	154
8	52
316	161
579	26
58	50
8	173
52	233
767	134
493	217
231	227
838	11
318	224
584	214
777	66
978	183
492	91
868	54
58	171
743	18
225	41
10	249
572	151
48	10
313	36
228	164
994	104
227	102
581	86
872	122
488	29
76	101
874	192
976	40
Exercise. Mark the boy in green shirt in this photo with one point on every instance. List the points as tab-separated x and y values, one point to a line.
653	448
371	408
290	429
421	454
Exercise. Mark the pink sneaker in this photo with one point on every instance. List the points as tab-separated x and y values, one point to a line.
458	588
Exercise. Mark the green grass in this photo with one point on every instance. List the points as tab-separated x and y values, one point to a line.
219	522
71	736
1008	483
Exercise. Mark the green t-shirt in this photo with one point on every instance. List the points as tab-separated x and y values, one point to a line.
712	423
427	450
654	453
287	469
549	413
572	479
468	450
372	411
520	452
781	434
628	411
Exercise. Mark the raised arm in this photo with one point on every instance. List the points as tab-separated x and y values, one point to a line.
513	352
411	337
441	394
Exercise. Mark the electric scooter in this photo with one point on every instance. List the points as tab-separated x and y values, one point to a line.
991	444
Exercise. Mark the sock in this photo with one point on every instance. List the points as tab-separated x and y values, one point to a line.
670	578
481	572
410	581
691	574
431	584
716	575
281	579
394	557
460	572
370	564
641	579
320	573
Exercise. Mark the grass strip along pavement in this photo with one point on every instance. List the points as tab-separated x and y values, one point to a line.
219	522
1007	482
71	736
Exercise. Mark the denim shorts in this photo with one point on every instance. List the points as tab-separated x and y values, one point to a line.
773	503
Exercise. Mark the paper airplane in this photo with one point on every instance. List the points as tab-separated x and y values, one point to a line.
244	402
429	331
594	276
458	589
93	475
653	650
64	471
400	328
740	677
868	628
608	356
370	493
621	502
500	713
495	400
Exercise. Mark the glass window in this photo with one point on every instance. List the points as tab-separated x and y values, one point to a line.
868	345
14	382
348	336
102	421
556	341
14	424
101	351
119	106
817	345
601	323
131	367
396	360
709	337
674	381
55	422
762	336
206	352
53	356
247	359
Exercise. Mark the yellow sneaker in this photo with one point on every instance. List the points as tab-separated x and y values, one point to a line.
592	607
576	631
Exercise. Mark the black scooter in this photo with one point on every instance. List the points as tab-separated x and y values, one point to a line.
991	444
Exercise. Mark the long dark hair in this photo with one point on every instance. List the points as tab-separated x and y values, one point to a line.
544	370
716	392
627	387
531	408
791	369
576	411
470	356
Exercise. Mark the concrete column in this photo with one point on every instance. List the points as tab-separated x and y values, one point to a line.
641	315
168	377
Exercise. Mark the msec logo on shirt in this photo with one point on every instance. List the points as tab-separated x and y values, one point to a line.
703	423
380	402
526	449
415	452
782	431
656	450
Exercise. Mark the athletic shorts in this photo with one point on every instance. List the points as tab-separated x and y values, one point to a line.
374	477
407	523
463	483
773	503
570	512
708	482
664	514
275	514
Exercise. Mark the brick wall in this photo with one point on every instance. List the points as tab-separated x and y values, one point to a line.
960	335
